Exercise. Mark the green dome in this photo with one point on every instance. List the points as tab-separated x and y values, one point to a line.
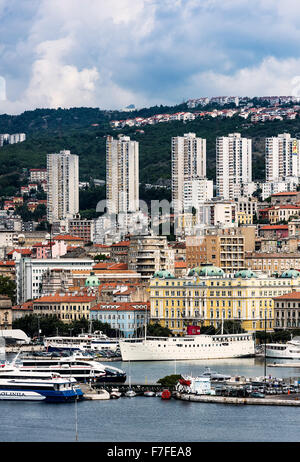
291	273
245	274
163	274
92	281
206	270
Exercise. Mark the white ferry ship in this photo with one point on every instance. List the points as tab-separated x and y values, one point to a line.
190	347
288	350
84	342
71	366
20	385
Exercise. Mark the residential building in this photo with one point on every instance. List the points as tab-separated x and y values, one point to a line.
287	184
233	165
272	262
147	254
282	157
67	307
119	251
279	213
287	311
122	175
223	247
188	162
62	186
38	175
196	191
128	318
29	274
82	228
286	198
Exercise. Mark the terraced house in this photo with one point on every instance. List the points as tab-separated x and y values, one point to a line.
208	296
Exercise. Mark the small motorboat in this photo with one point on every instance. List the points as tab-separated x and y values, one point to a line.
130	393
158	393
115	393
149	393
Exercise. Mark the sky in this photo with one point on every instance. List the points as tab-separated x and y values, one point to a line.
109	54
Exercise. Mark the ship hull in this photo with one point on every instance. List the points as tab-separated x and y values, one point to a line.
193	348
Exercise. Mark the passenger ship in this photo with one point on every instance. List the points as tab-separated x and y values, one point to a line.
71	366
288	350
192	347
31	386
84	342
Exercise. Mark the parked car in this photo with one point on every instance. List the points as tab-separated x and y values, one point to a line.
257	394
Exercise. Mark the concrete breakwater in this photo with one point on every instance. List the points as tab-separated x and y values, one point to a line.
267	401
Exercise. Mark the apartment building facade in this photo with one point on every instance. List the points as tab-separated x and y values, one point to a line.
233	165
62	186
188	161
122	175
282	157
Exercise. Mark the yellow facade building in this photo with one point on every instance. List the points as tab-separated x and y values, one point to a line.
207	296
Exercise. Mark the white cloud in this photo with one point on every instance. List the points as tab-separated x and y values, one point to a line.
270	77
54	83
110	54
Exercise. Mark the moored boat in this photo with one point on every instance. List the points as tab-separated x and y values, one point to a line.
288	350
192	347
130	393
70	366
115	393
149	393
84	342
54	389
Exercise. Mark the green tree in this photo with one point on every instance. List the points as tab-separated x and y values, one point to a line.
156	330
8	287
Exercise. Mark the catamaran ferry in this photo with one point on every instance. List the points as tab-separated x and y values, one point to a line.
29	386
192	347
71	366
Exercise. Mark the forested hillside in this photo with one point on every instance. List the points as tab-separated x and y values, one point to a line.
83	131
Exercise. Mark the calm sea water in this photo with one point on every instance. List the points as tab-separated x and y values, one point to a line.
152	419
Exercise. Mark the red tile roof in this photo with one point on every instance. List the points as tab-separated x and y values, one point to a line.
286	193
21	251
67	237
67	298
271	227
121	306
121	244
290	296
27	306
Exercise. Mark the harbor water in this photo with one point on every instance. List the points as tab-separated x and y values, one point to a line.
144	419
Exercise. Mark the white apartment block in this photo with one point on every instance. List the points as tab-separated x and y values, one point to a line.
4	138
29	274
62	186
273	187
17	138
233	165
223	213
122	175
196	191
188	161
282	154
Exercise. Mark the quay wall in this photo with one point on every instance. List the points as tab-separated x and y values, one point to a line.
267	401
